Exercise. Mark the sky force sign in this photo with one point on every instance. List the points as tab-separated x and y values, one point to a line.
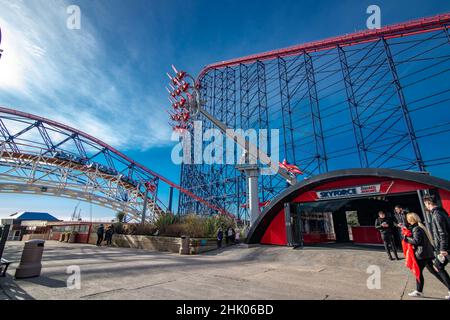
349	192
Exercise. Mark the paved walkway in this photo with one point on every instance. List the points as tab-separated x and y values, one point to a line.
238	272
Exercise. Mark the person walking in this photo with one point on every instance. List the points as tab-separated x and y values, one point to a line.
440	227
108	235
385	225
423	252
219	237
100	233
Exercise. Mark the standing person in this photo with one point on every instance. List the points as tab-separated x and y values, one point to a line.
423	251
100	233
440	226
400	215
108	235
229	235
219	237
385	225
400	220
237	236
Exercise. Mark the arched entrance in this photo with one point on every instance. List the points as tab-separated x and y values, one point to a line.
341	206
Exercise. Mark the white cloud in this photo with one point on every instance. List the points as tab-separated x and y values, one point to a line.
68	76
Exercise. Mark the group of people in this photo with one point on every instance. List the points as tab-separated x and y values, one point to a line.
232	236
104	235
423	248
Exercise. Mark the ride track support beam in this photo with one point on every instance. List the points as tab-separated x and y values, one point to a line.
404	107
321	154
354	109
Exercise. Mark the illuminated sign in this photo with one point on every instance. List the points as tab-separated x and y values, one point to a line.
349	192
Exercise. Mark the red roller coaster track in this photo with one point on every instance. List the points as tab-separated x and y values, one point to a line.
417	26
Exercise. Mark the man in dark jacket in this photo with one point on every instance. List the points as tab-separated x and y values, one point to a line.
385	226
109	234
440	227
219	237
400	216
100	233
400	220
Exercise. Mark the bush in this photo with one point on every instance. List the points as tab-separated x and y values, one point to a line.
175	230
120	216
164	220
119	228
196	226
142	229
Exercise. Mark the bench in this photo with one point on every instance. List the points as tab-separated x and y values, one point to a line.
4	264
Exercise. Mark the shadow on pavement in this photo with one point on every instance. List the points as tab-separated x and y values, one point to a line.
46	282
13	291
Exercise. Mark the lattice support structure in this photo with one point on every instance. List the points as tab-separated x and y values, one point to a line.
359	100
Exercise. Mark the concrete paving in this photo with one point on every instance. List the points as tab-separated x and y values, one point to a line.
237	272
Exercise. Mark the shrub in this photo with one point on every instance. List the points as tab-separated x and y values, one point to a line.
175	230
119	228
164	220
120	216
142	229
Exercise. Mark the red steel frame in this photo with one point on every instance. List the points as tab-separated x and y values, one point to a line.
412	27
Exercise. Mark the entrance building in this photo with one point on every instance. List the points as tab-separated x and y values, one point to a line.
342	206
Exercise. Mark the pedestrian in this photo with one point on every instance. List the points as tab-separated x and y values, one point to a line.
440	227
237	236
100	233
400	215
229	235
421	241
385	225
219	237
400	220
108	235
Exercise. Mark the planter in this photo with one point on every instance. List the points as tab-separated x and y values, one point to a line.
159	243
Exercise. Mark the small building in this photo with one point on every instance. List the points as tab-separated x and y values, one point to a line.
27	223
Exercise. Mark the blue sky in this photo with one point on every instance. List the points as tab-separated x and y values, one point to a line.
108	78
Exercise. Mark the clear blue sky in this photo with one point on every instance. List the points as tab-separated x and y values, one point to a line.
108	78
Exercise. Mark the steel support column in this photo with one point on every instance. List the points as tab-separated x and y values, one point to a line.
322	164
354	109
406	116
263	120
288	129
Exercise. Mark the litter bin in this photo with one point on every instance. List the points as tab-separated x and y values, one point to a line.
30	263
184	247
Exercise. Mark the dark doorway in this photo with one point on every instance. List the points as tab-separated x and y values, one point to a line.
341	225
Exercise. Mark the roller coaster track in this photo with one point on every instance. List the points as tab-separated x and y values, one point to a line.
43	157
